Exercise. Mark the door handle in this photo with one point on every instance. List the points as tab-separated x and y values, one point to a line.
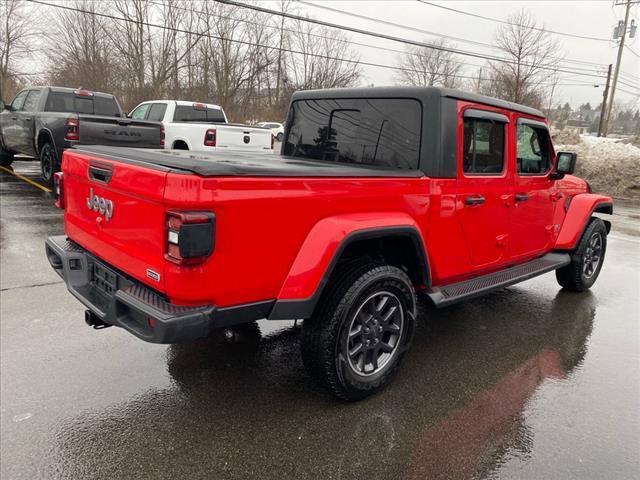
474	200
14	118
521	197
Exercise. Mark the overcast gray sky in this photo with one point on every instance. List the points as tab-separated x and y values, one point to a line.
588	18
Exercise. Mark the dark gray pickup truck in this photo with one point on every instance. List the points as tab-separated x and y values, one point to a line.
43	121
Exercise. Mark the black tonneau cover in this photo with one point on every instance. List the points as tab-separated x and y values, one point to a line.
224	164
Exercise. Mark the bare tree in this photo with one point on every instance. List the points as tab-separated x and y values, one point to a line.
233	56
324	59
79	51
16	43
423	66
530	54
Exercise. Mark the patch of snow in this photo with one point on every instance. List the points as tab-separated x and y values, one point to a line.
609	165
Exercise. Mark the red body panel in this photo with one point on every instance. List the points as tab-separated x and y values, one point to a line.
575	221
322	242
276	236
132	240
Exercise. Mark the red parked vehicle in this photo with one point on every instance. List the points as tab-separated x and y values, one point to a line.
380	196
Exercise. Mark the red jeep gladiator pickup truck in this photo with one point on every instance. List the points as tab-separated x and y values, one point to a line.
380	197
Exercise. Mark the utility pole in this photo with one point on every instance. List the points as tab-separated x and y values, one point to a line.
605	95
615	75
279	71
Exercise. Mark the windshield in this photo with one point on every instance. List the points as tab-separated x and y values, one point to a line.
380	132
72	103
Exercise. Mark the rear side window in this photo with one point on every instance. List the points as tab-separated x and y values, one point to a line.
156	112
483	148
31	103
190	113
533	150
72	103
379	132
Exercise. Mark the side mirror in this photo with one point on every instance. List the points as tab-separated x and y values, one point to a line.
565	164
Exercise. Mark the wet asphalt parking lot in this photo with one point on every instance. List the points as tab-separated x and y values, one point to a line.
529	382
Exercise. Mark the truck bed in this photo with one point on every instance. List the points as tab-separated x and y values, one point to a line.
230	163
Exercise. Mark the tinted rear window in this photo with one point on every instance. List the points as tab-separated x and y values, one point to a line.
381	132
72	103
187	113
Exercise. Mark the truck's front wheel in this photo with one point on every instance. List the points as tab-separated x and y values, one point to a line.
48	163
586	259
356	339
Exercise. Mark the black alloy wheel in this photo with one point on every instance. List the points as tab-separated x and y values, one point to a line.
374	333
592	255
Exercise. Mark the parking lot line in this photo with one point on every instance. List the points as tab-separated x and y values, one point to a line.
28	180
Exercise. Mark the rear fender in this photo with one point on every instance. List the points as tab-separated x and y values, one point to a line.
579	211
321	251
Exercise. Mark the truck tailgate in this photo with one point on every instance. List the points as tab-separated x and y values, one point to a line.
115	211
116	131
240	137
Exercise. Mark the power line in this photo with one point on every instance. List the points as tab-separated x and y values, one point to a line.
397	25
402	40
427	32
631	50
326	57
242	42
351	42
290	30
505	22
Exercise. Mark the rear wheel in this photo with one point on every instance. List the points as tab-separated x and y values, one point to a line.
355	341
49	163
586	259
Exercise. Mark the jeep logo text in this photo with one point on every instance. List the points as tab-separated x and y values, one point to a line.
100	205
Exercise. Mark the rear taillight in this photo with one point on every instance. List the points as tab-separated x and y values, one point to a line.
162	136
72	129
190	237
210	138
273	141
58	189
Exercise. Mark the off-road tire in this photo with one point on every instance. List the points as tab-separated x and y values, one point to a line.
573	277
49	163
324	337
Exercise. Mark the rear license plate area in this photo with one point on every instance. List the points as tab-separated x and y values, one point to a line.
104	279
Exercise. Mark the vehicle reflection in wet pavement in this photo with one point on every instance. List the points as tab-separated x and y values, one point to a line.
528	382
245	407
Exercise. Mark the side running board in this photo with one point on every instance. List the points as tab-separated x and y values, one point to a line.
445	295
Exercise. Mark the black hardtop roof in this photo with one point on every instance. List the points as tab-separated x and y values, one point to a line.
413	92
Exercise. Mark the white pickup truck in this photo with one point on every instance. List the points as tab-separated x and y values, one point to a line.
202	126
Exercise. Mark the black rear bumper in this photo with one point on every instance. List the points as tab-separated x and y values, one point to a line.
126	303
